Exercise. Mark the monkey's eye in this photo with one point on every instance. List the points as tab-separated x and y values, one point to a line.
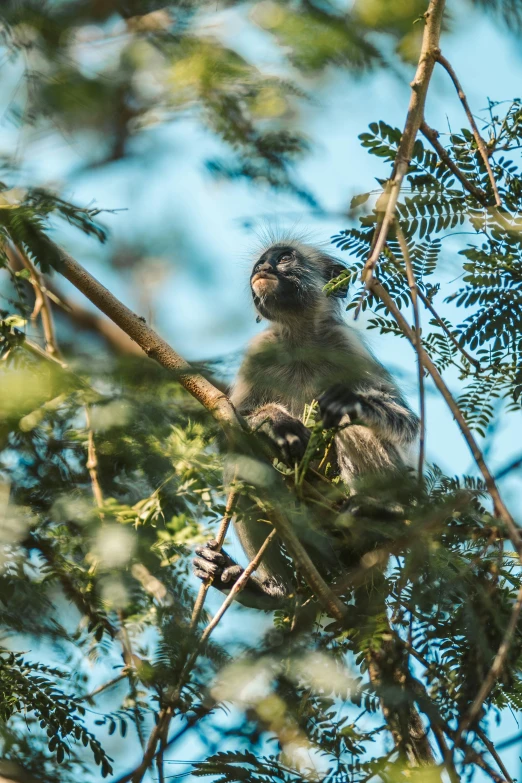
284	258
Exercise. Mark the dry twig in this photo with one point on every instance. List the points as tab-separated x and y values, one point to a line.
481	144
42	305
418	344
495	670
433	137
220	538
92	463
419	88
500	508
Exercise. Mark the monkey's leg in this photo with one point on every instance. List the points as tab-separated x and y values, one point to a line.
360	450
259	593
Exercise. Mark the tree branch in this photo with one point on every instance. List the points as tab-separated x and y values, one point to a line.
418	343
422	296
433	137
419	88
220	538
500	508
478	138
495	670
42	305
160	731
493	752
92	463
149	341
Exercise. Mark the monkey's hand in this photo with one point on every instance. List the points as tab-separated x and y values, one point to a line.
337	402
217	566
288	435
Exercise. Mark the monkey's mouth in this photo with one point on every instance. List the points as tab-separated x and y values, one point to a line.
263	283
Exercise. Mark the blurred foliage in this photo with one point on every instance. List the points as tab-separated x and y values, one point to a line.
110	474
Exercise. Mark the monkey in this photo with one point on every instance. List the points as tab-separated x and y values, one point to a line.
308	352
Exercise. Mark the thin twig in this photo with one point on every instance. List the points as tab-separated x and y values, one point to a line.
428	304
446	331
42	305
162	726
495	670
220	538
92	463
433	137
499	506
481	144
165	715
445	752
238	586
476	758
418	343
493	752
101	688
419	88
513	465
190	722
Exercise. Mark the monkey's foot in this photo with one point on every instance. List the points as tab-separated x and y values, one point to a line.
217	566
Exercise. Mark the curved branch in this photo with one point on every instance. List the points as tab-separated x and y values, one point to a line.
499	506
433	137
149	341
418	343
481	144
419	89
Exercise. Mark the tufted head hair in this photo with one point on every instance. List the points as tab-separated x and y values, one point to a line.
288	279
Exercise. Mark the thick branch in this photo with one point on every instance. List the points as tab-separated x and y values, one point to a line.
419	88
154	346
481	144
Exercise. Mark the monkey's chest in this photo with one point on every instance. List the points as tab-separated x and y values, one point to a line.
295	383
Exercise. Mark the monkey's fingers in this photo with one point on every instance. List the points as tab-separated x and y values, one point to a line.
204	569
209	554
231	575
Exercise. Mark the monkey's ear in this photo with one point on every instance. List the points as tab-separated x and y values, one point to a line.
335	271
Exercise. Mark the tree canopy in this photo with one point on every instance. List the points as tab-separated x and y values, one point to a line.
112	445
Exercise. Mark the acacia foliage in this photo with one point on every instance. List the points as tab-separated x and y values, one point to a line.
429	593
106	588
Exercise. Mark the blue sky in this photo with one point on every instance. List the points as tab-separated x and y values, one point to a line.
200	299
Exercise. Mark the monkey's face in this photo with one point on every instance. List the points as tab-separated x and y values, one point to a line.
284	282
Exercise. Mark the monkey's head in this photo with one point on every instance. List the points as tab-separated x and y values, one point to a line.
288	281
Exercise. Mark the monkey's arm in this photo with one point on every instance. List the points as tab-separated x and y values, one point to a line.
257	402
379	405
267	592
